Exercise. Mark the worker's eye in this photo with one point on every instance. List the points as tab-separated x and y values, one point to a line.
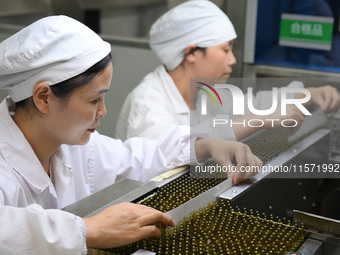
97	100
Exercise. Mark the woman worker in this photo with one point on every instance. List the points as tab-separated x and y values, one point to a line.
57	72
195	40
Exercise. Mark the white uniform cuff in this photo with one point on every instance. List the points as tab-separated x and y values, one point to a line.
83	235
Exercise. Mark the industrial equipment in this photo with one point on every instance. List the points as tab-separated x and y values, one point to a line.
275	212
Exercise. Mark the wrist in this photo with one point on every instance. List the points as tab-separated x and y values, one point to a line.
312	92
90	233
202	149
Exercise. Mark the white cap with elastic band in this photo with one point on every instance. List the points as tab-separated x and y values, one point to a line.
198	22
51	50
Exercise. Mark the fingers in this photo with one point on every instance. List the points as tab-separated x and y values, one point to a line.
297	118
331	100
326	101
241	155
293	118
248	164
252	159
148	228
327	97
123	224
150	231
154	216
318	97
224	152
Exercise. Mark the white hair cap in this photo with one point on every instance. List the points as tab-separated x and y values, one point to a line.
198	22
50	50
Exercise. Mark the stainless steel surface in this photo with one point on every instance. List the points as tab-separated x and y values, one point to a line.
278	195
137	194
311	247
311	149
318	224
317	120
282	159
91	203
252	70
330	245
193	205
129	197
334	147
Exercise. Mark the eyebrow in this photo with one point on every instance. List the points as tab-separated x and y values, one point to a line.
102	91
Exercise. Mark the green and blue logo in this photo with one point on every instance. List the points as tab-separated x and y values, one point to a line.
209	93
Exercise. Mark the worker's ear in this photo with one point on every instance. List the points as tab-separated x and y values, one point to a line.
41	97
189	53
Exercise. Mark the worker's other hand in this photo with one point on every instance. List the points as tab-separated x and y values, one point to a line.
327	97
293	118
124	223
224	152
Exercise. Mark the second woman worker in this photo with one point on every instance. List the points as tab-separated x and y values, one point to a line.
195	40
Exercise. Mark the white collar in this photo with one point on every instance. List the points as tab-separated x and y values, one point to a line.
19	154
172	91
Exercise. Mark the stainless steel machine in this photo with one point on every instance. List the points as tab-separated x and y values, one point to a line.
285	209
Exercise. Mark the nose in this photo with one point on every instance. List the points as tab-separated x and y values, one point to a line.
232	59
101	111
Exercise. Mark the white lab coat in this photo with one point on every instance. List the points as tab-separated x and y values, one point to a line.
30	222
156	105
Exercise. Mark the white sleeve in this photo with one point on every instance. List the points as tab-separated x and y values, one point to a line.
218	127
216	122
140	158
33	230
144	116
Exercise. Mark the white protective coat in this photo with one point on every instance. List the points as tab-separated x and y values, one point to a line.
30	219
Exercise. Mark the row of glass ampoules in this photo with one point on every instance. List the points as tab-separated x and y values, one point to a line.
179	191
269	144
218	229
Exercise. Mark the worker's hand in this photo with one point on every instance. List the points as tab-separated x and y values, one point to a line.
224	152
123	224
327	97
293	118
